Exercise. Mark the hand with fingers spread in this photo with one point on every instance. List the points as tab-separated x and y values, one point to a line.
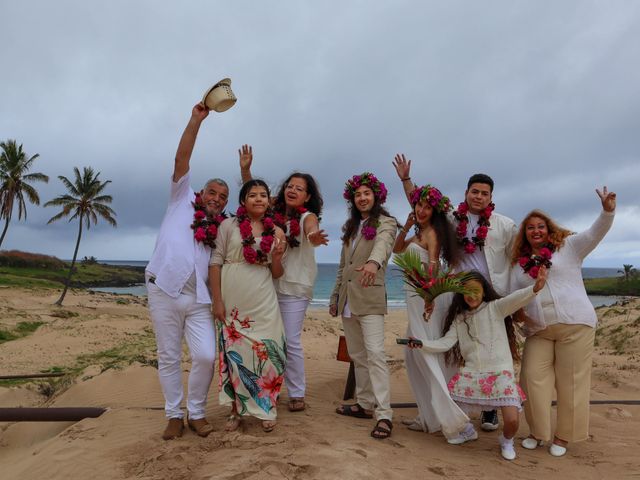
402	166
608	199
246	157
318	237
541	280
369	271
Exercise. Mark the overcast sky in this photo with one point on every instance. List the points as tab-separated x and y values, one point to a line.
542	96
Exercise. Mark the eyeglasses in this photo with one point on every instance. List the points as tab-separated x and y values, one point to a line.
297	188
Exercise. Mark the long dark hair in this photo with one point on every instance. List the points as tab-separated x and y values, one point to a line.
350	227
449	248
314	204
459	306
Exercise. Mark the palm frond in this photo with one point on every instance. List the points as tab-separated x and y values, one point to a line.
426	283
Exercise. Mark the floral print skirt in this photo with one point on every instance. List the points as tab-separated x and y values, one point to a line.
475	391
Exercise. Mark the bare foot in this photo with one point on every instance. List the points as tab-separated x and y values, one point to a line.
268	425
233	422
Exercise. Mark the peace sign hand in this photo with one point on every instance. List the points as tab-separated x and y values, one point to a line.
608	199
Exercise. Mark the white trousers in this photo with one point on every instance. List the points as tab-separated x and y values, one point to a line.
174	318
292	310
365	342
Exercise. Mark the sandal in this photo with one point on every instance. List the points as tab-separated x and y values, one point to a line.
233	423
353	410
296	404
381	432
268	425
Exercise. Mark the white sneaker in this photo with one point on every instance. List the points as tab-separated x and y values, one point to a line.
531	443
467	435
557	450
507	449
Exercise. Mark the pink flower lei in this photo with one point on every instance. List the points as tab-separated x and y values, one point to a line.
205	226
251	255
368	179
294	224
433	196
369	232
477	241
531	263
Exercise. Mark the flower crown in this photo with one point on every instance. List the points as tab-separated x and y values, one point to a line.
368	179
433	196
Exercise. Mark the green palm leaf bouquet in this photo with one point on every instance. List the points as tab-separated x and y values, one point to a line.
427	283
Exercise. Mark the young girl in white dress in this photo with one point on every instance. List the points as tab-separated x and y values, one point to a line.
479	337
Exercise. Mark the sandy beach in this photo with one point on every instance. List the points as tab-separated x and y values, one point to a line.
108	340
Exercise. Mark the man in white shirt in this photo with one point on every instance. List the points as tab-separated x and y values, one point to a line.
179	299
485	238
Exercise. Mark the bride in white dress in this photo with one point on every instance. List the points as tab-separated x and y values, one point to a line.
427	372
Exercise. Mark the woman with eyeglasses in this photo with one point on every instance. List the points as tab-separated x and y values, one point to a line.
297	208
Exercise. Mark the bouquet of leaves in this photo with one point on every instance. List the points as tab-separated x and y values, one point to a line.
427	283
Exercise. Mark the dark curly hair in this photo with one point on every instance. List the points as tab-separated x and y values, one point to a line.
314	204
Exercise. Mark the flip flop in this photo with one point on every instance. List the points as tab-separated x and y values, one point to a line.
348	411
296	404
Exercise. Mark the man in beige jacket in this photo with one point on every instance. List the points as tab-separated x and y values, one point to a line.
360	297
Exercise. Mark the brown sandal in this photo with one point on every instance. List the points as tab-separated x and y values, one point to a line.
381	432
297	404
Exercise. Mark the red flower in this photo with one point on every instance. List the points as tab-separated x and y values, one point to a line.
463	207
270	385
533	271
246	322
488	211
545	253
268	223
200	234
294	228
261	351
200	215
250	254
265	243
481	232
470	247
231	334
368	232
523	261
212	230
245	228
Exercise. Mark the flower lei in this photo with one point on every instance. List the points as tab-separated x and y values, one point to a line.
531	263
477	241
369	232
204	226
368	179
251	255
433	196
294	225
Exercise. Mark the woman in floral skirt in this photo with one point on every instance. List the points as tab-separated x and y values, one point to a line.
251	340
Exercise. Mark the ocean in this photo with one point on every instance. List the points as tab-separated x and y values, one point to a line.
327	276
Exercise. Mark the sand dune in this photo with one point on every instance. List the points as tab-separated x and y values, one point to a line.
315	444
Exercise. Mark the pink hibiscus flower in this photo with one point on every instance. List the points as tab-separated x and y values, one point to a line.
270	384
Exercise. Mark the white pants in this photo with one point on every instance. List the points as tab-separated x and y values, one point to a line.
292	310
365	342
172	319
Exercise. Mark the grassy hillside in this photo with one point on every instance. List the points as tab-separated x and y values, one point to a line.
613	286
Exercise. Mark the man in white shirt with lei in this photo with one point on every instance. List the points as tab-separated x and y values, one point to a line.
179	300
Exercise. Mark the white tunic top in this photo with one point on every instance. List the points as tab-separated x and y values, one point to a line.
300	269
177	254
564	279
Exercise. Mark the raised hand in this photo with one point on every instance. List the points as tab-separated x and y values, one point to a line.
246	157
608	199
402	166
411	221
199	112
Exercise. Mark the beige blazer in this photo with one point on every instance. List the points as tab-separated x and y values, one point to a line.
371	300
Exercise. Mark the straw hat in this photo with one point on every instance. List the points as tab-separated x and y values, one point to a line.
219	97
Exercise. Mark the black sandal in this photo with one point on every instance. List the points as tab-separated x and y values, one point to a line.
380	432
348	411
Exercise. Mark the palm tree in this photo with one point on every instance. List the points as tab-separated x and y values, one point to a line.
14	165
628	271
85	202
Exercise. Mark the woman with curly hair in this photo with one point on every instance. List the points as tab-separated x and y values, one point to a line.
560	327
297	208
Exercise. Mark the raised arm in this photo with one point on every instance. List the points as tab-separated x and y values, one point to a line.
188	141
584	242
518	299
403	169
246	159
